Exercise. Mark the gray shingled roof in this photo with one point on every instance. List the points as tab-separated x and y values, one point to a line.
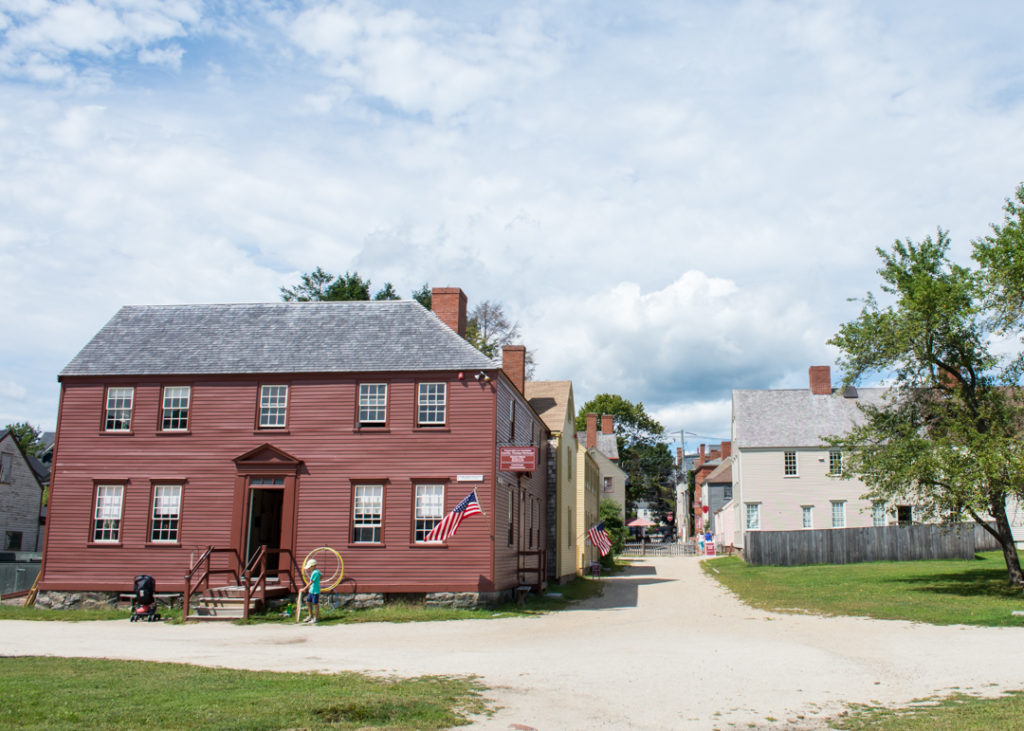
794	418
607	444
287	337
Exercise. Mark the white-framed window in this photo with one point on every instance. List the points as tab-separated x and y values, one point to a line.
273	407
838	513
373	403
166	513
753	516
512	421
119	409
431	404
608	485
808	518
107	517
789	464
367	514
878	514
429	509
175	408
835	462
6	468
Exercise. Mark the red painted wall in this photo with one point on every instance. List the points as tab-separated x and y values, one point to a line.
334	455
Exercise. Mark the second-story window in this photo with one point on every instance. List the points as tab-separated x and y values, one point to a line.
373	403
175	408
835	462
512	422
431	404
789	464
273	407
119	409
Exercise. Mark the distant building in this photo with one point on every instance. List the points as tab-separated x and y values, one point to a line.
21	498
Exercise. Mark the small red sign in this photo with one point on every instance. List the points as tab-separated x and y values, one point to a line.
709	548
705	509
517	459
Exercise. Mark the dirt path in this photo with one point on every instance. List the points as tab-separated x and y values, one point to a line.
665	647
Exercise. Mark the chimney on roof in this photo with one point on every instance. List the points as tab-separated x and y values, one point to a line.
513	362
820	378
679	456
607	424
449	304
591	431
726	448
700	457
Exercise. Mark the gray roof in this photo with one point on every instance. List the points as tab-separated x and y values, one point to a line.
287	337
794	418
607	444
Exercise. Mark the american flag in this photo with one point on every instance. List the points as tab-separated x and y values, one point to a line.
451	522
599	538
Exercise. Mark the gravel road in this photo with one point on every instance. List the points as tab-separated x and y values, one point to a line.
664	648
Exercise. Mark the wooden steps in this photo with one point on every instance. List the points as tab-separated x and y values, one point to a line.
228	602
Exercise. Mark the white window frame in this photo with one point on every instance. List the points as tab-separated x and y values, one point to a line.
429	509
117	414
753	516
6	468
790	464
165	517
368	514
174	413
373	403
106	526
808	516
835	462
839	518
273	406
878	514
432	404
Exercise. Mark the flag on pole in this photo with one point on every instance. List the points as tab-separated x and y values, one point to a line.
599	538
451	522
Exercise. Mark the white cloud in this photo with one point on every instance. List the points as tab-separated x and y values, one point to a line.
169	56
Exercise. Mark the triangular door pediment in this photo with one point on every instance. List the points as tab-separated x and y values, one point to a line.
267	455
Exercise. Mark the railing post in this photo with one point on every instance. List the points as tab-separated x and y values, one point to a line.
246	596
188	597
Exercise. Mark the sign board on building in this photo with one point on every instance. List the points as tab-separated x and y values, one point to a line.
469	478
709	548
517	459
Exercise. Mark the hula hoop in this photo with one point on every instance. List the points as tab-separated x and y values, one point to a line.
335	577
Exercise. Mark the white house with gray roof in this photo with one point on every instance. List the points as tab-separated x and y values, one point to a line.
784	477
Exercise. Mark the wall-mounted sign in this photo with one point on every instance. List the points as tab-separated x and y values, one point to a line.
517	459
469	478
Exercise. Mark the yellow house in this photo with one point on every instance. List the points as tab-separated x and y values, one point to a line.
588	503
553	402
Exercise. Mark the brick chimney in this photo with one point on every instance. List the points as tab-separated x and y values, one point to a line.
700	457
679	456
820	378
607	424
513	362
449	304
591	431
726	448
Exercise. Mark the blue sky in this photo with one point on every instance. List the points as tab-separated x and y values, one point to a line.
673	199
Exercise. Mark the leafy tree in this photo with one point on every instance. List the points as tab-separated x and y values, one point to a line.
27	437
488	329
947	436
1001	258
321	286
611	514
387	293
424	296
642	454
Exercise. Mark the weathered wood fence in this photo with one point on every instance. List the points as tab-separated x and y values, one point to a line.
916	542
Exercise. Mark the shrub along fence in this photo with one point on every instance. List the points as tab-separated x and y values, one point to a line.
916	542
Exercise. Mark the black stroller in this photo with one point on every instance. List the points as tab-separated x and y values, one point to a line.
143	601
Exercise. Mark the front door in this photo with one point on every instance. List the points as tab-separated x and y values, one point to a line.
265	513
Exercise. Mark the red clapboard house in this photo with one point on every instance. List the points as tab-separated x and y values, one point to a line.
263	431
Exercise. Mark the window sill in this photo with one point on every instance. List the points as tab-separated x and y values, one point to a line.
104	544
173	432
367	545
371	429
429	546
163	544
105	433
439	429
270	430
790	477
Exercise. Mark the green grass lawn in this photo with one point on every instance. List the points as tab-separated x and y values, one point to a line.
956	713
46	693
937	592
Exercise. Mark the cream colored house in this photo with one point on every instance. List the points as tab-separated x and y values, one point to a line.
553	402
605	450
588	504
783	478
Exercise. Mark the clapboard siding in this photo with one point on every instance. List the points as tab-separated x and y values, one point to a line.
321	433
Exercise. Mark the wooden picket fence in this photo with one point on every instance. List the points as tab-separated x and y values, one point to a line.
916	542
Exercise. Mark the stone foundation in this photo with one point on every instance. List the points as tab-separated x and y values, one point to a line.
77	599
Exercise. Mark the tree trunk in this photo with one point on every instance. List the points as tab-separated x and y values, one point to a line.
998	509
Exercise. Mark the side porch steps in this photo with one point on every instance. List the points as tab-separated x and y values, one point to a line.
228	602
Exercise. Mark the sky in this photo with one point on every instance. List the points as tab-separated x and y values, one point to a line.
673	199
